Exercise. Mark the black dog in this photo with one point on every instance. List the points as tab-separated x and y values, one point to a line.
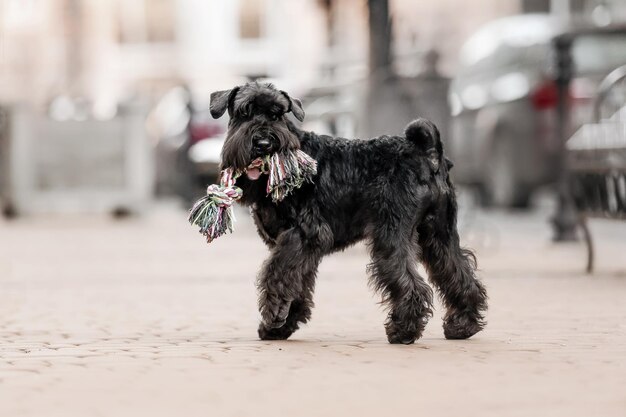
393	191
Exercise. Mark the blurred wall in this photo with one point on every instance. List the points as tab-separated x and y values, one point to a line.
106	50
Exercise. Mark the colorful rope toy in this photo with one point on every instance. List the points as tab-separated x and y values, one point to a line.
286	171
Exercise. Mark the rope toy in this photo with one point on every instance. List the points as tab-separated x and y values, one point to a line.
286	171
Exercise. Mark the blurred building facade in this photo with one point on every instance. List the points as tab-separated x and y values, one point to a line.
108	50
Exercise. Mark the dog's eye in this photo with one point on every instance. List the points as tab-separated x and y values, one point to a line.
273	117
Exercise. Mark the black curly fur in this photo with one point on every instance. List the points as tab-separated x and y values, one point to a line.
392	191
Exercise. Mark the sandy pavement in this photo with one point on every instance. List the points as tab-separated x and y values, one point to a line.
140	317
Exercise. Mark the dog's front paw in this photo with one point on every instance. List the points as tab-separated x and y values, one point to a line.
461	325
398	336
281	333
405	332
275	314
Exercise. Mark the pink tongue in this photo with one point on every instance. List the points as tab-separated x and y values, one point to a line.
253	173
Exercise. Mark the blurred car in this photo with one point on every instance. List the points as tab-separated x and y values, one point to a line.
504	102
207	139
188	146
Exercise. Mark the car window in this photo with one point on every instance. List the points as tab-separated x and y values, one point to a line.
508	35
599	53
480	45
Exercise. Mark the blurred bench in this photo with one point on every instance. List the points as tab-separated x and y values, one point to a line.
597	159
53	166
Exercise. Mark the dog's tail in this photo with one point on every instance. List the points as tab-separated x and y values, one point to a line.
425	135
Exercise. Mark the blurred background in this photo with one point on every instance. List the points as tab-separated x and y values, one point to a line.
104	104
112	304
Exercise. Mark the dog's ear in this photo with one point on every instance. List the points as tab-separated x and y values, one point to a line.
222	100
295	106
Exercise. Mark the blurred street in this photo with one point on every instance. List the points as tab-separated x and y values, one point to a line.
141	317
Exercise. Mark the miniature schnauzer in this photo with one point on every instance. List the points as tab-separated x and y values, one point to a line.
394	192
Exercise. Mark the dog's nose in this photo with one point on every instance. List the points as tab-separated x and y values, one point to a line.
262	145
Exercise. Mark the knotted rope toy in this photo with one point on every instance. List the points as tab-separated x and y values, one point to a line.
286	171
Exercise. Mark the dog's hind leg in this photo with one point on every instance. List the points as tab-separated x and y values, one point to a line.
286	285
452	269
394	273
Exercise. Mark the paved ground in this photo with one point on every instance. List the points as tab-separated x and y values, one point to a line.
140	317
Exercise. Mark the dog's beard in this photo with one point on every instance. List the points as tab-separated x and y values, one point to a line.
238	151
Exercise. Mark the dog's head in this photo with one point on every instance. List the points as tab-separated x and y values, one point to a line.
258	125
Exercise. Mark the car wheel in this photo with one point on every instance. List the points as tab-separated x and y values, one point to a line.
502	188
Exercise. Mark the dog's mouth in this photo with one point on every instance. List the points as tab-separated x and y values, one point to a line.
255	169
253	173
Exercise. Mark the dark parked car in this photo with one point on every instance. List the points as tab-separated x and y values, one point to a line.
188	146
504	101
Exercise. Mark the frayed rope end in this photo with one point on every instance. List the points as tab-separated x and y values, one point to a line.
289	171
213	213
